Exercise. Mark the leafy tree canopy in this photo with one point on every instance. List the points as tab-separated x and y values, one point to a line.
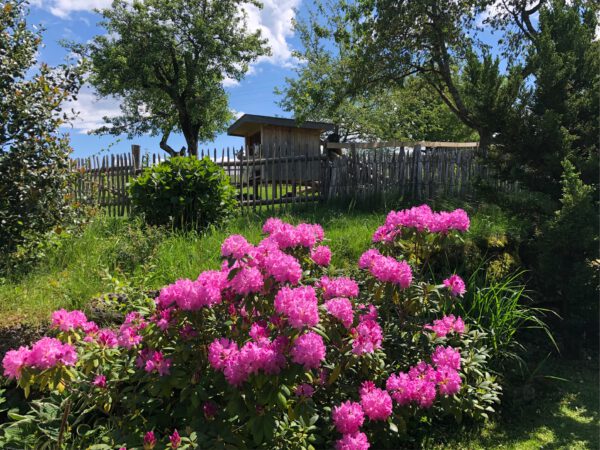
167	59
34	166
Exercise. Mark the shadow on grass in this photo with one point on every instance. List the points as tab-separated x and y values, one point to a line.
561	415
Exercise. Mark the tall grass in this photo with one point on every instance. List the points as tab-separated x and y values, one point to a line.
504	308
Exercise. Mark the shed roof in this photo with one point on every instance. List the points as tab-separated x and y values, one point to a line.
249	124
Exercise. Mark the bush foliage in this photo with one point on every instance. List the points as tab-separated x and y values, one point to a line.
274	350
34	164
184	192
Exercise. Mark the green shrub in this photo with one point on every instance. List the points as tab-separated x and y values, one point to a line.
567	250
34	157
184	192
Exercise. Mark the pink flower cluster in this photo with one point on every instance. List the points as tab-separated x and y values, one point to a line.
423	382
237	364
338	287
321	255
153	361
446	325
367	336
421	218
71	320
290	236
236	247
129	336
456	285
299	305
375	402
308	350
341	309
44	354
189	295
386	268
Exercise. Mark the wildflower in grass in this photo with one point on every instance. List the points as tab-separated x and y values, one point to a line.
367	337
175	439
338	287
236	246
246	281
68	320
308	350
348	417
375	402
456	285
321	255
14	361
100	381
446	356
354	441
341	309
299	305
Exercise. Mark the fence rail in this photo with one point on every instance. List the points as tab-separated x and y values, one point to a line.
278	176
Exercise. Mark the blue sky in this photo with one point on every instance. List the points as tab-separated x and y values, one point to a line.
75	20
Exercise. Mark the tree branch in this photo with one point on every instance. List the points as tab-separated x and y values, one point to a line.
166	147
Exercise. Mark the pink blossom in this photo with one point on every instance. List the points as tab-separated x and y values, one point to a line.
368	258
308	350
321	255
341	309
354	441
155	361
210	409
68	321
424	392
107	338
236	246
448	380
367	337
14	361
447	324
128	336
299	305
369	314
149	440
389	270
308	235
401	387
348	417
48	352
210	285
220	351
271	225
100	381
446	356
259	331
456	285
375	402
282	267
338	287
304	390
175	439
246	281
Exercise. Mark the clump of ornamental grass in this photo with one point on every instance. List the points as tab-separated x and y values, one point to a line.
276	349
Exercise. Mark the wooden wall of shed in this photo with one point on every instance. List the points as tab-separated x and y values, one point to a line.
286	141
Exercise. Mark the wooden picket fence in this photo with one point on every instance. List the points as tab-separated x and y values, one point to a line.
417	170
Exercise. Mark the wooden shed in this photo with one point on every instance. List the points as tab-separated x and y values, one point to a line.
275	137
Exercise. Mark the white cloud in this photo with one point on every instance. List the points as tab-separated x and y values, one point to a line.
91	110
274	20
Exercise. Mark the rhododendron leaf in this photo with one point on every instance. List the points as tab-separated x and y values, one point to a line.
281	400
334	374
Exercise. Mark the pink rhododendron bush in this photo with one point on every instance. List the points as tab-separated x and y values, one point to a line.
274	349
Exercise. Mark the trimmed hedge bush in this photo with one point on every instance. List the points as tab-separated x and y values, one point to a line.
184	192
